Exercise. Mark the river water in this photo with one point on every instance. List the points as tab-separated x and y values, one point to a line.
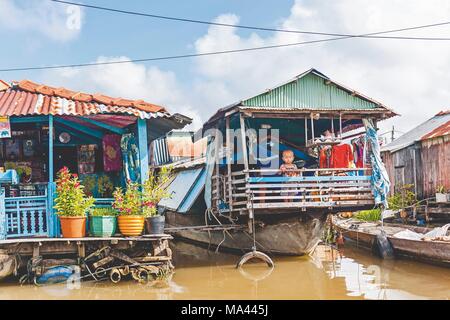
328	274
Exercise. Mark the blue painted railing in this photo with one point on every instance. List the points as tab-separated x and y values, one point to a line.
26	216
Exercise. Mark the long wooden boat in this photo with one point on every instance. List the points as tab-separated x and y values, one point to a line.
238	187
364	233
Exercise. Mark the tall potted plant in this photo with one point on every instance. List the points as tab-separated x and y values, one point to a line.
71	204
129	205
153	191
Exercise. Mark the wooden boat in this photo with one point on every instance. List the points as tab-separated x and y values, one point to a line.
364	233
234	189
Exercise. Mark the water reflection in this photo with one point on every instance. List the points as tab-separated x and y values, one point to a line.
328	274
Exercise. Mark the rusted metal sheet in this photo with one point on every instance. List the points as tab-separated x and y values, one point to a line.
28	98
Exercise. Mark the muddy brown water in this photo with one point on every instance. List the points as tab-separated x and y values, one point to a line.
328	274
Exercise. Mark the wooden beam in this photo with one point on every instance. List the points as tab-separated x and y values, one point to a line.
76	126
104	125
32	119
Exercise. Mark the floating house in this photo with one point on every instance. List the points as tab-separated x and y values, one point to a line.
103	139
240	189
421	157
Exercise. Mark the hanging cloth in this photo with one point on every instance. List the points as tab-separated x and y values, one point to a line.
130	157
112	158
380	179
341	156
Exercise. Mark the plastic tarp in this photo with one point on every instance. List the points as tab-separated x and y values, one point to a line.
184	190
380	179
411	235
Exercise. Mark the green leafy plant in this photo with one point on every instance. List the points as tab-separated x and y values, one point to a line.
128	202
104	212
71	199
105	186
440	189
369	215
89	184
154	190
405	197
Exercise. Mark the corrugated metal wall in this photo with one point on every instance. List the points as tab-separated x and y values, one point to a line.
309	91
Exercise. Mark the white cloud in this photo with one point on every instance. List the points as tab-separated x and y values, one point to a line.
410	76
130	81
55	21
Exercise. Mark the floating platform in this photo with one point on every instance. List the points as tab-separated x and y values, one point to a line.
141	257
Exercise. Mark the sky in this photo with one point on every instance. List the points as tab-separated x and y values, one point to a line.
411	77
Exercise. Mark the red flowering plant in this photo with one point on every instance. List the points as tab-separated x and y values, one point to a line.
70	197
128	202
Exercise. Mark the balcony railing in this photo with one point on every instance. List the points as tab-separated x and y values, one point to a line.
311	188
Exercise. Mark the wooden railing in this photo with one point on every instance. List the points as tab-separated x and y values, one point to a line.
26	216
311	188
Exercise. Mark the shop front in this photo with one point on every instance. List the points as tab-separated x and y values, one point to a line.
43	129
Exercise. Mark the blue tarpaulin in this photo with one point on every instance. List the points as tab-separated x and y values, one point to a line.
380	178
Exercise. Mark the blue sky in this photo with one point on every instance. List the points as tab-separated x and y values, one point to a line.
410	77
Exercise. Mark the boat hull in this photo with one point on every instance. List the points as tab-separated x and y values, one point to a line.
432	252
292	234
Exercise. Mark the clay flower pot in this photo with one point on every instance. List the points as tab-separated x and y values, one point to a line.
73	227
131	225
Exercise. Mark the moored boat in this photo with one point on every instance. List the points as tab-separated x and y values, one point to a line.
433	251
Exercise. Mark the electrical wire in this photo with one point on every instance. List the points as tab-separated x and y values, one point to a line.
174	57
220	24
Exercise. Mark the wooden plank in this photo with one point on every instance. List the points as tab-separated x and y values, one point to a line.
299	185
306	178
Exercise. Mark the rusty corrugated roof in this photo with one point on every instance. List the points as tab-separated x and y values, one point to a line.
29	98
440	131
418	133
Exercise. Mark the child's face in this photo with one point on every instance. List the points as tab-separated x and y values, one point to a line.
288	157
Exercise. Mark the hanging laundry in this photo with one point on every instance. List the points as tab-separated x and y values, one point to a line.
325	157
341	156
112	158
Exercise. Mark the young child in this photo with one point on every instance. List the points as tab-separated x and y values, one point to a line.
288	169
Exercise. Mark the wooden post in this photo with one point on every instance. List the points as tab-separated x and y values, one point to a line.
52	219
246	167
143	149
306	131
340	125
312	128
3	225
230	149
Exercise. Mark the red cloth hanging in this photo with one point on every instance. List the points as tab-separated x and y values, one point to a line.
341	156
112	156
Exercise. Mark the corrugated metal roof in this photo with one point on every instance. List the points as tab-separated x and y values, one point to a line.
309	91
312	90
418	132
29	98
438	132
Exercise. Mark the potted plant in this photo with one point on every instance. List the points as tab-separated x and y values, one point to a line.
103	222
441	196
71	204
129	205
153	191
